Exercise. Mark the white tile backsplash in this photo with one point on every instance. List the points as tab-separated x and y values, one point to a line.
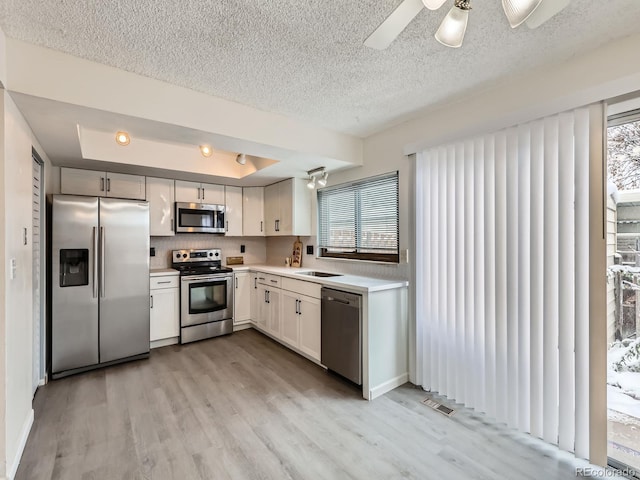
278	248
255	247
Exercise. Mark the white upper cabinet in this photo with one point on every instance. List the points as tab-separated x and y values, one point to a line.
161	206
75	181
193	192
287	208
233	211
253	212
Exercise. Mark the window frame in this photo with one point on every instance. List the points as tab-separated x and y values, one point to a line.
324	252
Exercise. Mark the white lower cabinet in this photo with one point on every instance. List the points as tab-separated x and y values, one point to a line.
269	310
242	291
301	323
165	310
254	297
309	325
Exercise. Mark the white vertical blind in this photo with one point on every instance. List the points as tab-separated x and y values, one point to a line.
503	222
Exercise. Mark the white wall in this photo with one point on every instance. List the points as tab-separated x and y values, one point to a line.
16	306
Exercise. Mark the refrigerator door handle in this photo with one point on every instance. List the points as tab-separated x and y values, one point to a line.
102	266
95	262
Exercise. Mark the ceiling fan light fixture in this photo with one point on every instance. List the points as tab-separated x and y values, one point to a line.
241	159
517	11
453	27
433	4
545	11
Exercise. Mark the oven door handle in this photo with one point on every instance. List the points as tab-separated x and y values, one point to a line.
191	279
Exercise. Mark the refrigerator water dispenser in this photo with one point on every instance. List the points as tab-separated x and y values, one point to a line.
74	267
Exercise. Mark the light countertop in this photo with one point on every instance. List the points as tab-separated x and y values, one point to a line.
161	272
354	283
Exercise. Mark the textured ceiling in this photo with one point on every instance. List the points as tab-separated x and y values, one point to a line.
305	59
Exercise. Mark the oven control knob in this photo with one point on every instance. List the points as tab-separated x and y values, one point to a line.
217	254
211	254
177	255
184	255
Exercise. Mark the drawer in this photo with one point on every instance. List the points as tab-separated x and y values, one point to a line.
157	283
268	279
310	289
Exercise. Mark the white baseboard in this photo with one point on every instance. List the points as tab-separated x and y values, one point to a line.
388	386
242	326
164	342
12	469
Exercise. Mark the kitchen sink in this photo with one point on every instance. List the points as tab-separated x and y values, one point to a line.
320	274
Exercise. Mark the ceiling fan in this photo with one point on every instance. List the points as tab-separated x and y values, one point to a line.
454	25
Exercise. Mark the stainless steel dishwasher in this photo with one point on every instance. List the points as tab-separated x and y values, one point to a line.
341	333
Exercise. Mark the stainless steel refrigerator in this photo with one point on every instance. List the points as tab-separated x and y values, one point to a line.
99	282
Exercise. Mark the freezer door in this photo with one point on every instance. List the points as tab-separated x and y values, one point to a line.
124	274
74	288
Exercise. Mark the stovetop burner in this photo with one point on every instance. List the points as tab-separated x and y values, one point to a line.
198	262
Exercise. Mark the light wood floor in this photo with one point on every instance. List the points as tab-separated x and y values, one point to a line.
243	407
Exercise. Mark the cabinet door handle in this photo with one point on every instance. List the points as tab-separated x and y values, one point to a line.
268	296
273	281
227	226
277	225
299	307
255	283
203	193
171	220
108	184
236	283
297	311
265	297
198	193
102	184
151	301
260	226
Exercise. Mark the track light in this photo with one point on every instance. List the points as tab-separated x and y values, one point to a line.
322	181
241	158
317	172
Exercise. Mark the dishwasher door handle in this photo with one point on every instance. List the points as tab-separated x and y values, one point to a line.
333	299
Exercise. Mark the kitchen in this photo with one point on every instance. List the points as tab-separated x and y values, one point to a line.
74	119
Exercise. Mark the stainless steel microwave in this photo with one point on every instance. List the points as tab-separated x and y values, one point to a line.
199	218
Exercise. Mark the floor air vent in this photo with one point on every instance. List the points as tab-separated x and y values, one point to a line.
439	407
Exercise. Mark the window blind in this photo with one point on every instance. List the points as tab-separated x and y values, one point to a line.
502	275
360	217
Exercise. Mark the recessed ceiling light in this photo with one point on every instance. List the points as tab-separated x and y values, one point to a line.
122	138
206	150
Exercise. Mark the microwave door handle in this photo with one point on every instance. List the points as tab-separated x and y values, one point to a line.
95	262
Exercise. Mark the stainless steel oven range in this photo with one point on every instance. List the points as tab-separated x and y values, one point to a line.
206	294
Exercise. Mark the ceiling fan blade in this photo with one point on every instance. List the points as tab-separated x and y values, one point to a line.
395	23
546	10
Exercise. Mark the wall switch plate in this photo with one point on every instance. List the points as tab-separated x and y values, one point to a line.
242	249
309	249
152	252
13	268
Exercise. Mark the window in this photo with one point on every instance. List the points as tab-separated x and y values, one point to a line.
359	220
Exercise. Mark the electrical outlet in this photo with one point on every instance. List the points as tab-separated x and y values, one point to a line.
309	249
242	249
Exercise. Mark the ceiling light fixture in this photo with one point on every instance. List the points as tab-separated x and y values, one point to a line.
122	138
241	158
453	27
317	172
517	11
451	31
206	150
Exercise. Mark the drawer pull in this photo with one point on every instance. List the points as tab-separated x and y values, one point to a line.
167	281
